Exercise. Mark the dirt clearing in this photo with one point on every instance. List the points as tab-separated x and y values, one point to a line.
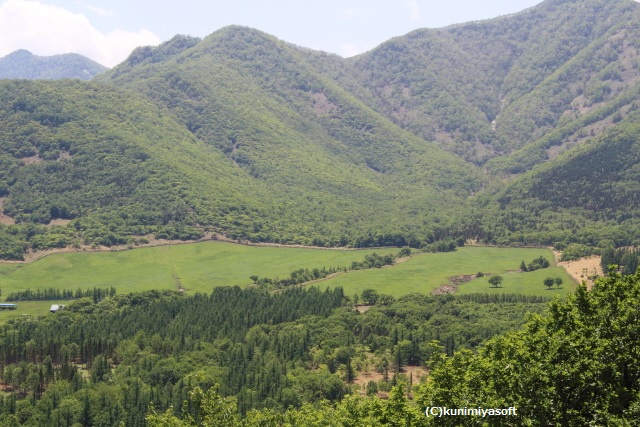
584	268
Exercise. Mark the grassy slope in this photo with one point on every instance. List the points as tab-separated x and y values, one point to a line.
426	272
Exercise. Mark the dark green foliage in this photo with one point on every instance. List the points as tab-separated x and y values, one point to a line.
626	259
266	350
373	261
549	282
404	252
60	294
304	275
370	296
575	251
536	264
495	281
587	195
447	245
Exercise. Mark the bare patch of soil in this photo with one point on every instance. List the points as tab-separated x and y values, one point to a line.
361	308
414	373
6	388
64	155
5	219
32	160
59	221
453	284
583	268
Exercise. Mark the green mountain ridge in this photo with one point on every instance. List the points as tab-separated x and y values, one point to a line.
446	133
485	89
22	64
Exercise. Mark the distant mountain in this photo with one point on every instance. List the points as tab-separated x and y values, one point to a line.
491	130
22	64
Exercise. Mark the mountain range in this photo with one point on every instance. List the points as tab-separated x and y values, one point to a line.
22	64
517	130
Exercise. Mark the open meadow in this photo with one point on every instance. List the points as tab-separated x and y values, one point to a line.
198	267
426	272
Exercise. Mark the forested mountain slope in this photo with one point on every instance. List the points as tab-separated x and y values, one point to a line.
22	64
271	110
113	164
479	131
589	195
488	88
347	171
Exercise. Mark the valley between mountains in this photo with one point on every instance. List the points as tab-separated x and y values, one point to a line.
405	215
519	130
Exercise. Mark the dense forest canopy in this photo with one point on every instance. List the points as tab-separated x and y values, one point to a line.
269	351
499	131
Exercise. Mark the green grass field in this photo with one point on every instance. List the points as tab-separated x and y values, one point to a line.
28	308
425	272
198	267
530	283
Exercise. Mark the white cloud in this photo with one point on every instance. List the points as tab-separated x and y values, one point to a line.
97	10
414	10
48	30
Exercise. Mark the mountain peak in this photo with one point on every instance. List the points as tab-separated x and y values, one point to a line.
23	64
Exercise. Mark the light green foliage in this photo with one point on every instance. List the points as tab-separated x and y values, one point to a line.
577	365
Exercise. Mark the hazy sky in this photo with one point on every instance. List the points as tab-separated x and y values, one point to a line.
107	30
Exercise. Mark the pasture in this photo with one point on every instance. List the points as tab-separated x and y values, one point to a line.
198	267
425	272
